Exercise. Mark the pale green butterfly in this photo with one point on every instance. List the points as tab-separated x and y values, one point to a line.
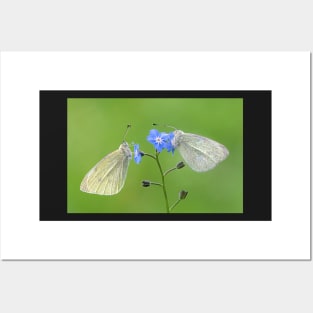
200	153
108	176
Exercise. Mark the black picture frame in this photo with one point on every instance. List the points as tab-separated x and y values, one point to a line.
257	193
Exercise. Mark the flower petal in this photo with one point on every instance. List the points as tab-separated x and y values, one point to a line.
157	139
137	154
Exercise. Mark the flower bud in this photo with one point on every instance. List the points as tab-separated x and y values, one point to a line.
145	183
180	165
183	194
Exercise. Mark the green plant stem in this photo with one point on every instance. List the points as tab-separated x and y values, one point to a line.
170	170
150	155
163	182
157	184
174	205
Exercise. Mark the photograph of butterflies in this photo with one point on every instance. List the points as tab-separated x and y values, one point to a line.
107	162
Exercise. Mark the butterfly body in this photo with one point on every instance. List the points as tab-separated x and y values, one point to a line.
200	153
108	176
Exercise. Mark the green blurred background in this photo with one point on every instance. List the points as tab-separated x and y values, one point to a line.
96	128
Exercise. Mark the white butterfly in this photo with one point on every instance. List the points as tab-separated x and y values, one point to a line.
108	176
200	153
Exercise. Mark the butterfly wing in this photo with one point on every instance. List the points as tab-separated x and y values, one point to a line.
108	176
200	153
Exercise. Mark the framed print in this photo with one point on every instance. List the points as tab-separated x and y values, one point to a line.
87	120
206	171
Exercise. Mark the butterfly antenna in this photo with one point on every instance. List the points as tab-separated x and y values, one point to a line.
155	124
126	132
171	127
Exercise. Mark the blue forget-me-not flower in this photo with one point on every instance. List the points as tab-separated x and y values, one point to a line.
157	139
168	144
137	154
160	141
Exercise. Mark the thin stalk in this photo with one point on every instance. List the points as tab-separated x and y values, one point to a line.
163	182
170	170
150	155
157	184
174	205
